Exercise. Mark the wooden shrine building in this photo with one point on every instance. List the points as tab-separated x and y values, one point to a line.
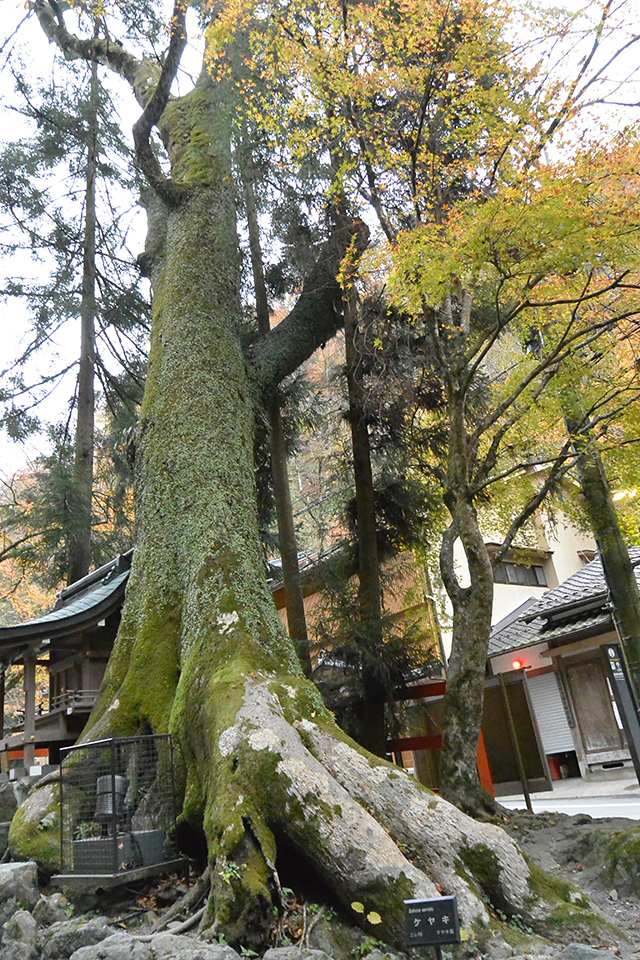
73	643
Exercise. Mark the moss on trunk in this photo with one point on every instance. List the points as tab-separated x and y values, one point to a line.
614	552
201	651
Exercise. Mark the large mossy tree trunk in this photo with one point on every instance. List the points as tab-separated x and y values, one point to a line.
201	651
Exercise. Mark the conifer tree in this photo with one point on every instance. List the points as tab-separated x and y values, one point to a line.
78	234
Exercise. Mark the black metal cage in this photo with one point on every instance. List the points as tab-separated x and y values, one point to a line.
117	800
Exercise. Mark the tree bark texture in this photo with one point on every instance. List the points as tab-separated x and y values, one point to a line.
614	552
372	734
472	606
466	668
82	493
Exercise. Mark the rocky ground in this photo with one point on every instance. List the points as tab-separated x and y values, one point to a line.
588	853
40	925
159	920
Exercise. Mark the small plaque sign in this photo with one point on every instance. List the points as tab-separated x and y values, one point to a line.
431	922
615	660
625	701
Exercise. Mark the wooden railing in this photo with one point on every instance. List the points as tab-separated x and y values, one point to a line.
70	700
74	700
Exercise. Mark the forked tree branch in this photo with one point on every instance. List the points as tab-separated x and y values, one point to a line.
107	52
113	56
562	465
315	318
163	185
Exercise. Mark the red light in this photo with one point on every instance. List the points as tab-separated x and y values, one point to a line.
517	664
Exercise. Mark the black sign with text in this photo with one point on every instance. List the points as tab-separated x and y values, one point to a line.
625	701
430	922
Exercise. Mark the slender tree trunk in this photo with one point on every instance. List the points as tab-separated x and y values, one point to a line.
466	669
294	598
372	734
614	552
81	498
472	608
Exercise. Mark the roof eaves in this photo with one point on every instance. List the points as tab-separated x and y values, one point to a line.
69	619
579	630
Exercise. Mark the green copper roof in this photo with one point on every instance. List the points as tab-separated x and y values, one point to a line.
75	610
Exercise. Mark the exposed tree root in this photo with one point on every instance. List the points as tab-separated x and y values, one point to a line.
279	774
308	930
188	924
185	903
369	831
434	833
191	922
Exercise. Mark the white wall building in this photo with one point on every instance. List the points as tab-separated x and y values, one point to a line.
551	554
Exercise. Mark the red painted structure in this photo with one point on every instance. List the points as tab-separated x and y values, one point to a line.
437	688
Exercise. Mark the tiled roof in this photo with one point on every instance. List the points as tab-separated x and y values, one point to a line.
513	632
536	620
586	584
598	623
86	608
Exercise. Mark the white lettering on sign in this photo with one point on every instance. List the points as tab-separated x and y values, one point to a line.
432	921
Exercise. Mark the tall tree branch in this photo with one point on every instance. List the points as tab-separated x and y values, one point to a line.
563	464
315	318
153	97
105	51
163	185
562	349
572	96
12	547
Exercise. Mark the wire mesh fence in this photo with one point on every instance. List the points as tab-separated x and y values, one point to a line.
117	805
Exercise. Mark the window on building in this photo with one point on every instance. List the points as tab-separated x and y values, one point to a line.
532	575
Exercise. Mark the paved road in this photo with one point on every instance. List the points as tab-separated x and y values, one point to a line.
605	806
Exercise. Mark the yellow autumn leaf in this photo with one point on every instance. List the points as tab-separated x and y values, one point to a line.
465	935
374	917
357	906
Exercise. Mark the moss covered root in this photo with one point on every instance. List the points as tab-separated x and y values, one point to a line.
35	829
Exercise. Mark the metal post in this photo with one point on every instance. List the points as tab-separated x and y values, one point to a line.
625	700
114	819
438	950
514	743
174	812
